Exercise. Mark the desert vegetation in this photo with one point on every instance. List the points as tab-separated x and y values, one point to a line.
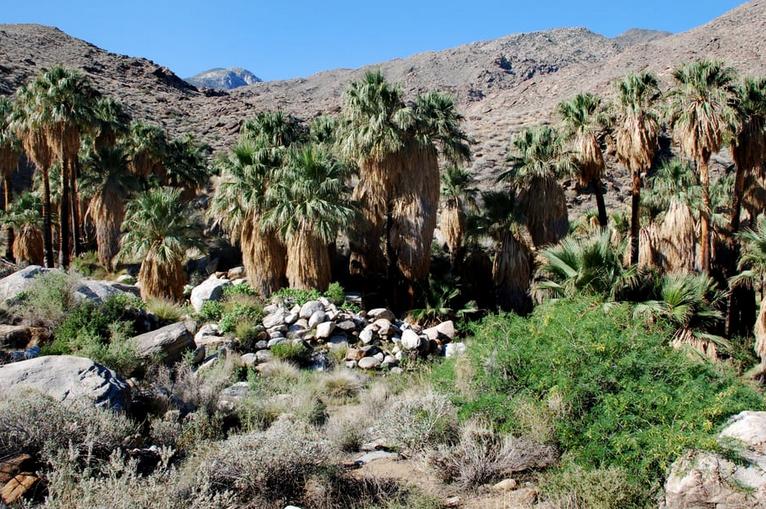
336	293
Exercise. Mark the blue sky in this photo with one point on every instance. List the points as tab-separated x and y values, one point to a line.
284	39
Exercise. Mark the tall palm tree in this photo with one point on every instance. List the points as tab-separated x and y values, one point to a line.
273	129
27	128
186	166
537	160
147	148
513	262
238	205
9	160
459	194
159	230
23	215
752	266
64	101
583	119
307	204
636	134
700	113
396	149
110	122
109	182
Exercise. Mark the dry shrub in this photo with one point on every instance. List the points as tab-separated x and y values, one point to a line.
48	299
417	420
266	468
120	486
340	386
578	488
348	428
482	456
33	423
534	420
28	245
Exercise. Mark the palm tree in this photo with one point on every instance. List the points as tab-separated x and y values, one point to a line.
537	160
636	134
582	122
63	109
688	302
23	215
147	148
513	263
459	194
9	161
110	121
307	204
273	129
700	113
26	126
752	266
158	230
186	166
238	204
591	265
109	182
396	149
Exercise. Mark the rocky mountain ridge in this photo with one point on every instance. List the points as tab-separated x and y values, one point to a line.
223	79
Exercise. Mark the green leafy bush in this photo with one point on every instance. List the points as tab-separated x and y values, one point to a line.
336	294
88	265
241	289
211	311
238	312
620	395
48	299
297	353
297	295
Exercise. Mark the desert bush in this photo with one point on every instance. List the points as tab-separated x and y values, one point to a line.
119	485
211	311
294	352
481	456
240	289
166	311
87	264
247	333
36	424
297	296
269	467
240	310
47	300
335	294
417	420
620	395
340	385
575	487
347	429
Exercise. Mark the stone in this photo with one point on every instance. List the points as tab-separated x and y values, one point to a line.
389	360
347	325
708	479
454	349
368	363
367	335
209	290
432	333
170	342
521	498
316	318
324	330
291	317
377	313
262	356
371	456
274	319
309	308
276	341
236	273
126	279
397	370
249	359
385	327
505	485
354	354
447	329
230	397
337	341
66	378
99	291
350	364
209	329
410	340
281	329
14	336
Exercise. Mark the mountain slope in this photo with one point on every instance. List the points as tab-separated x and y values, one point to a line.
501	85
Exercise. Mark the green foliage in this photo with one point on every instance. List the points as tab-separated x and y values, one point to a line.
240	289
335	294
88	265
297	353
48	299
100	332
238	312
166	311
211	311
622	397
297	295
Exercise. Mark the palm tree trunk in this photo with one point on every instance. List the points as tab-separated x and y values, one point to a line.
64	216
736	211
47	223
75	202
600	205
6	205
705	214
308	262
635	220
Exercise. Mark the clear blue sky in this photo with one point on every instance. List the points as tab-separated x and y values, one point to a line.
291	38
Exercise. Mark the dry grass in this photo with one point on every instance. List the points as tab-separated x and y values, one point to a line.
340	386
28	245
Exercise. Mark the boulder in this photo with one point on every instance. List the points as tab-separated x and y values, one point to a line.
66	378
309	308
236	273
11	286
324	330
369	363
230	397
99	291
708	479
377	313
316	318
14	336
85	289
505	485
169	342
210	289
410	340
209	329
275	319
445	330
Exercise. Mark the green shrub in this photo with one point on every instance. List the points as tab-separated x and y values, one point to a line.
297	353
211	311
620	395
48	299
336	294
240	289
247	333
296	295
235	313
599	488
88	265
166	311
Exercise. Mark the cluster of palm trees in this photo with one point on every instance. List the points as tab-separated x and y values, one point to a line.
680	261
90	159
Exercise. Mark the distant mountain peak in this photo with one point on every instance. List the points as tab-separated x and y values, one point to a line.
224	78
